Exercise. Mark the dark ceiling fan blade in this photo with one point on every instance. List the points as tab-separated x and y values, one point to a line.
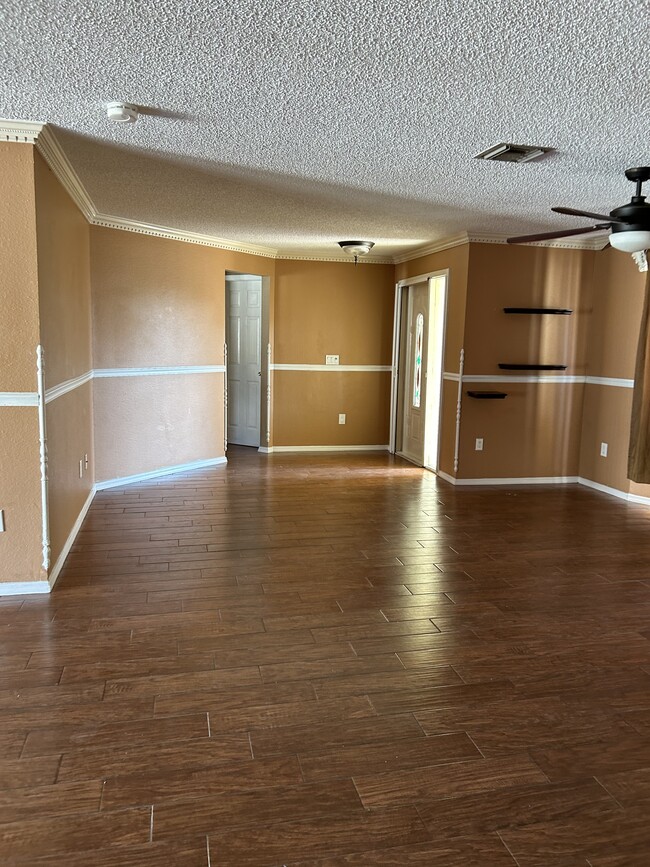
547	236
573	213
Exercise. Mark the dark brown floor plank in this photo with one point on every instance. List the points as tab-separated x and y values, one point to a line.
382	757
158	788
282	842
256	807
477	852
191	853
74	833
446	781
100	763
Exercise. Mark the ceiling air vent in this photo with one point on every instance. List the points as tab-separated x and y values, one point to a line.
512	153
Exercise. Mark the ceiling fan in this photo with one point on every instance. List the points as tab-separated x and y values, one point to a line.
630	224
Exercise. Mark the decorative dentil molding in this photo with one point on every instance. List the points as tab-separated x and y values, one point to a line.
41	134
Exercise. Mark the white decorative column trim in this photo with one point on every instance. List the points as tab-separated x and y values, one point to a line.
225	399
268	394
459	404
42	438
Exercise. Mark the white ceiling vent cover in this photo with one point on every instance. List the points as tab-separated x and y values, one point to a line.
512	153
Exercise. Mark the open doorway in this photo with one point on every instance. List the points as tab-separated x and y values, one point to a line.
418	366
244	370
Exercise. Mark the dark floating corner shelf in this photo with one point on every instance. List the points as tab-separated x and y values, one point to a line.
554	311
487	395
533	366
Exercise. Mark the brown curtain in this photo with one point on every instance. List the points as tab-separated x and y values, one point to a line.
638	464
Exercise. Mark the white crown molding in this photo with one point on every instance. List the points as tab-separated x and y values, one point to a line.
577	243
319	256
48	146
18	398
433	247
127	225
20	131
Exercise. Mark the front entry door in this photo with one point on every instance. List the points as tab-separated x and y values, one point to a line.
243	337
415	397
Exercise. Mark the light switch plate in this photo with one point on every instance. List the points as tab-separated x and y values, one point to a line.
479	444
2	520
603	450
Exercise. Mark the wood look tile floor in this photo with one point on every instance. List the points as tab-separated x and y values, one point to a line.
333	660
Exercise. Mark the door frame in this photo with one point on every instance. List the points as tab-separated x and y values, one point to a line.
265	410
395	417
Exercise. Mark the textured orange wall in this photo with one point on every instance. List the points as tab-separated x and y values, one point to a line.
20	544
308	404
159	303
332	308
536	430
19	327
617	304
64	300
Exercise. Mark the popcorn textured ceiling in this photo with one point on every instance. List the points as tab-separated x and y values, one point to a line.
294	123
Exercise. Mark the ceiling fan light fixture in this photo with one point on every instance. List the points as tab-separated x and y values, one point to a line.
630	241
356	248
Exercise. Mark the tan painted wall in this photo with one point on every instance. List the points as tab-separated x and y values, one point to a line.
157	303
20	544
606	418
308	403
20	495
64	300
615	316
536	430
146	423
64	279
69	438
614	330
19	328
503	276
332	308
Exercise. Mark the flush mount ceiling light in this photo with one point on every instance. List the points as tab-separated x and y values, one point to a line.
356	248
122	112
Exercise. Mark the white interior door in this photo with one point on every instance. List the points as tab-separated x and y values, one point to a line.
243	336
415	379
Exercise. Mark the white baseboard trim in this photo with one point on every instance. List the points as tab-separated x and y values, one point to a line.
328	449
154	474
532	480
265	450
615	492
60	560
28	588
24	588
